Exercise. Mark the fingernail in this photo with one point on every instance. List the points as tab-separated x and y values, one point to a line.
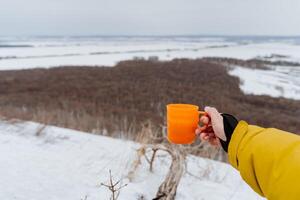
206	107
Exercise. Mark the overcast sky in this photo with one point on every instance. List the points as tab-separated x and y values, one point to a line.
148	17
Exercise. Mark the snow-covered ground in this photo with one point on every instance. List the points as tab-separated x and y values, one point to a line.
31	52
18	53
67	164
279	81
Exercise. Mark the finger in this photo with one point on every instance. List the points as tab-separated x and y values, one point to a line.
209	129
212	112
203	123
202	128
198	131
204	119
211	135
204	136
206	130
207	136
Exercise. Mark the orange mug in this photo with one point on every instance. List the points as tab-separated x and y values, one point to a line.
182	121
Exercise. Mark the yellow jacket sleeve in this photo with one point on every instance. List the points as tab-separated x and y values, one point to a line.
268	159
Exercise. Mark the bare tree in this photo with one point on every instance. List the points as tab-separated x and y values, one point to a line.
114	187
167	189
151	160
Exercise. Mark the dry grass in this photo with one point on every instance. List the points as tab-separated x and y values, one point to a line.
105	100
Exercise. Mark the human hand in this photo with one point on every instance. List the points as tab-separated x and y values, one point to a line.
213	127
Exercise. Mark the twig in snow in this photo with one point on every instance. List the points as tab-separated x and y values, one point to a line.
114	187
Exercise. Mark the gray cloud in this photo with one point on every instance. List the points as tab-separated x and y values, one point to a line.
125	17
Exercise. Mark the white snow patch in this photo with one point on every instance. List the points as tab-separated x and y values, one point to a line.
67	164
279	81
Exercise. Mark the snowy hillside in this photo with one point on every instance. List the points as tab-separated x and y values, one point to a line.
69	165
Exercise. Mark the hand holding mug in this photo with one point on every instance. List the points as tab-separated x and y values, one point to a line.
212	129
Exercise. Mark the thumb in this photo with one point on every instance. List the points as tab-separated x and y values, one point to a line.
216	121
212	112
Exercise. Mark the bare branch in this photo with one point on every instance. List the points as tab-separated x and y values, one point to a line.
167	190
114	187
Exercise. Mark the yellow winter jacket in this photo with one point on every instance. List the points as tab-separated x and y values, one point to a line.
268	160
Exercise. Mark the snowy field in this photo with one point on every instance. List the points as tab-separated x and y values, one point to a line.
69	165
279	81
32	52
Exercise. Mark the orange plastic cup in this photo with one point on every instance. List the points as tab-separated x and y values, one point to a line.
182	121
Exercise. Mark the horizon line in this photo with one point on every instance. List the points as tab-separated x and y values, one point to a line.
152	35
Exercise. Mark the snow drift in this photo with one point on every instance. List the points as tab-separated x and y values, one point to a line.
57	163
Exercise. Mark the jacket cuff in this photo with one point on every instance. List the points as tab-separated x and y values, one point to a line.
230	123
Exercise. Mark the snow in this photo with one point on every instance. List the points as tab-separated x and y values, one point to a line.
50	52
45	52
279	81
96	51
67	164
